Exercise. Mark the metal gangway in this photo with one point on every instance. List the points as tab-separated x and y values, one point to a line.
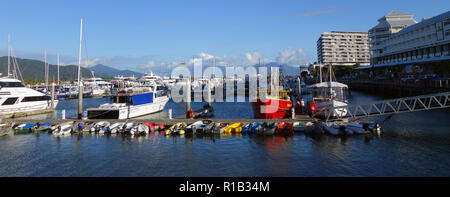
391	106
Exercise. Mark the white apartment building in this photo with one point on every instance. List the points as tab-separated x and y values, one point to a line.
343	48
426	41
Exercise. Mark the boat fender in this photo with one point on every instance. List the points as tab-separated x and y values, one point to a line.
191	114
313	107
81	126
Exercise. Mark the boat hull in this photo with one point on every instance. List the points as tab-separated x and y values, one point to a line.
127	112
322	109
271	108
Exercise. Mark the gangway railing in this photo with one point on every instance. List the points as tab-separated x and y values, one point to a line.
391	106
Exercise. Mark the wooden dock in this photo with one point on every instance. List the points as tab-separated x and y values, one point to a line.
25	114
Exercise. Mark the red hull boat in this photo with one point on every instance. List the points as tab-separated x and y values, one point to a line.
271	108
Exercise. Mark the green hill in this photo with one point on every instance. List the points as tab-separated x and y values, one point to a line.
33	70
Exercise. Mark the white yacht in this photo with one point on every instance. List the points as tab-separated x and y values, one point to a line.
150	79
169	82
16	98
97	86
129	105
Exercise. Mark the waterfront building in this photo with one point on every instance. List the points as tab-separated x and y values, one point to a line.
343	48
387	25
399	40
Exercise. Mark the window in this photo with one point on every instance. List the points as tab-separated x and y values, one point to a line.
10	101
11	84
35	98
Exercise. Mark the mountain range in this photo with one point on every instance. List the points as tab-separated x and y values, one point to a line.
109	72
34	70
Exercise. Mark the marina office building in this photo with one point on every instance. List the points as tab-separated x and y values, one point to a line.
399	40
343	48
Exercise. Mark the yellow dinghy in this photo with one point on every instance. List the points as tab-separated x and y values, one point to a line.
176	129
234	128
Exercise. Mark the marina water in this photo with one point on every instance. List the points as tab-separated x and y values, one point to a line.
411	144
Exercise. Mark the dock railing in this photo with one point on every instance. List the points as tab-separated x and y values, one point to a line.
391	106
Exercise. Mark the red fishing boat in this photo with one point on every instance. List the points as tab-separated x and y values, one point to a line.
273	107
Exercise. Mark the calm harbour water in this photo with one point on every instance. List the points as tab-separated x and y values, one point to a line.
411	144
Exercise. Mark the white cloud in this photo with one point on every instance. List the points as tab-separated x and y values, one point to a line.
255	58
148	66
292	57
92	61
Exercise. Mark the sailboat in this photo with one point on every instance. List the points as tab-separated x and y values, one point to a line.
327	95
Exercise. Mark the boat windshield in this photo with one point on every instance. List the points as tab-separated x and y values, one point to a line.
326	93
123	99
11	84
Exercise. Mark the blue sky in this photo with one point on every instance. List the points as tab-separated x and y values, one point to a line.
145	34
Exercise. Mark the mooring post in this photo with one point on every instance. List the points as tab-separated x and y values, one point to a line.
70	92
53	96
188	97
63	114
293	112
209	93
80	100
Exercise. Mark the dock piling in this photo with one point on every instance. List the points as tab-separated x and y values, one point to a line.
293	113
52	104
63	114
209	93
80	100
188	97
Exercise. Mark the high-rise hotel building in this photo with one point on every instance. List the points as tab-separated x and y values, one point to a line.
399	40
343	48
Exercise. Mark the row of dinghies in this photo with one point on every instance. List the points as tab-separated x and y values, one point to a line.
201	127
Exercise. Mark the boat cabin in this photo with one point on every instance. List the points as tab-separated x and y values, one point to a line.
138	99
327	91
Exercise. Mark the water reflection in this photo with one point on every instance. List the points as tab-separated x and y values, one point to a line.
411	144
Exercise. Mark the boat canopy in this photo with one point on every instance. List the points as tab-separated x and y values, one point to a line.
328	84
139	99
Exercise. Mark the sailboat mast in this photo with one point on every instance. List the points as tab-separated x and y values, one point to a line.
320	72
45	68
9	54
331	79
331	89
58	68
80	85
79	53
